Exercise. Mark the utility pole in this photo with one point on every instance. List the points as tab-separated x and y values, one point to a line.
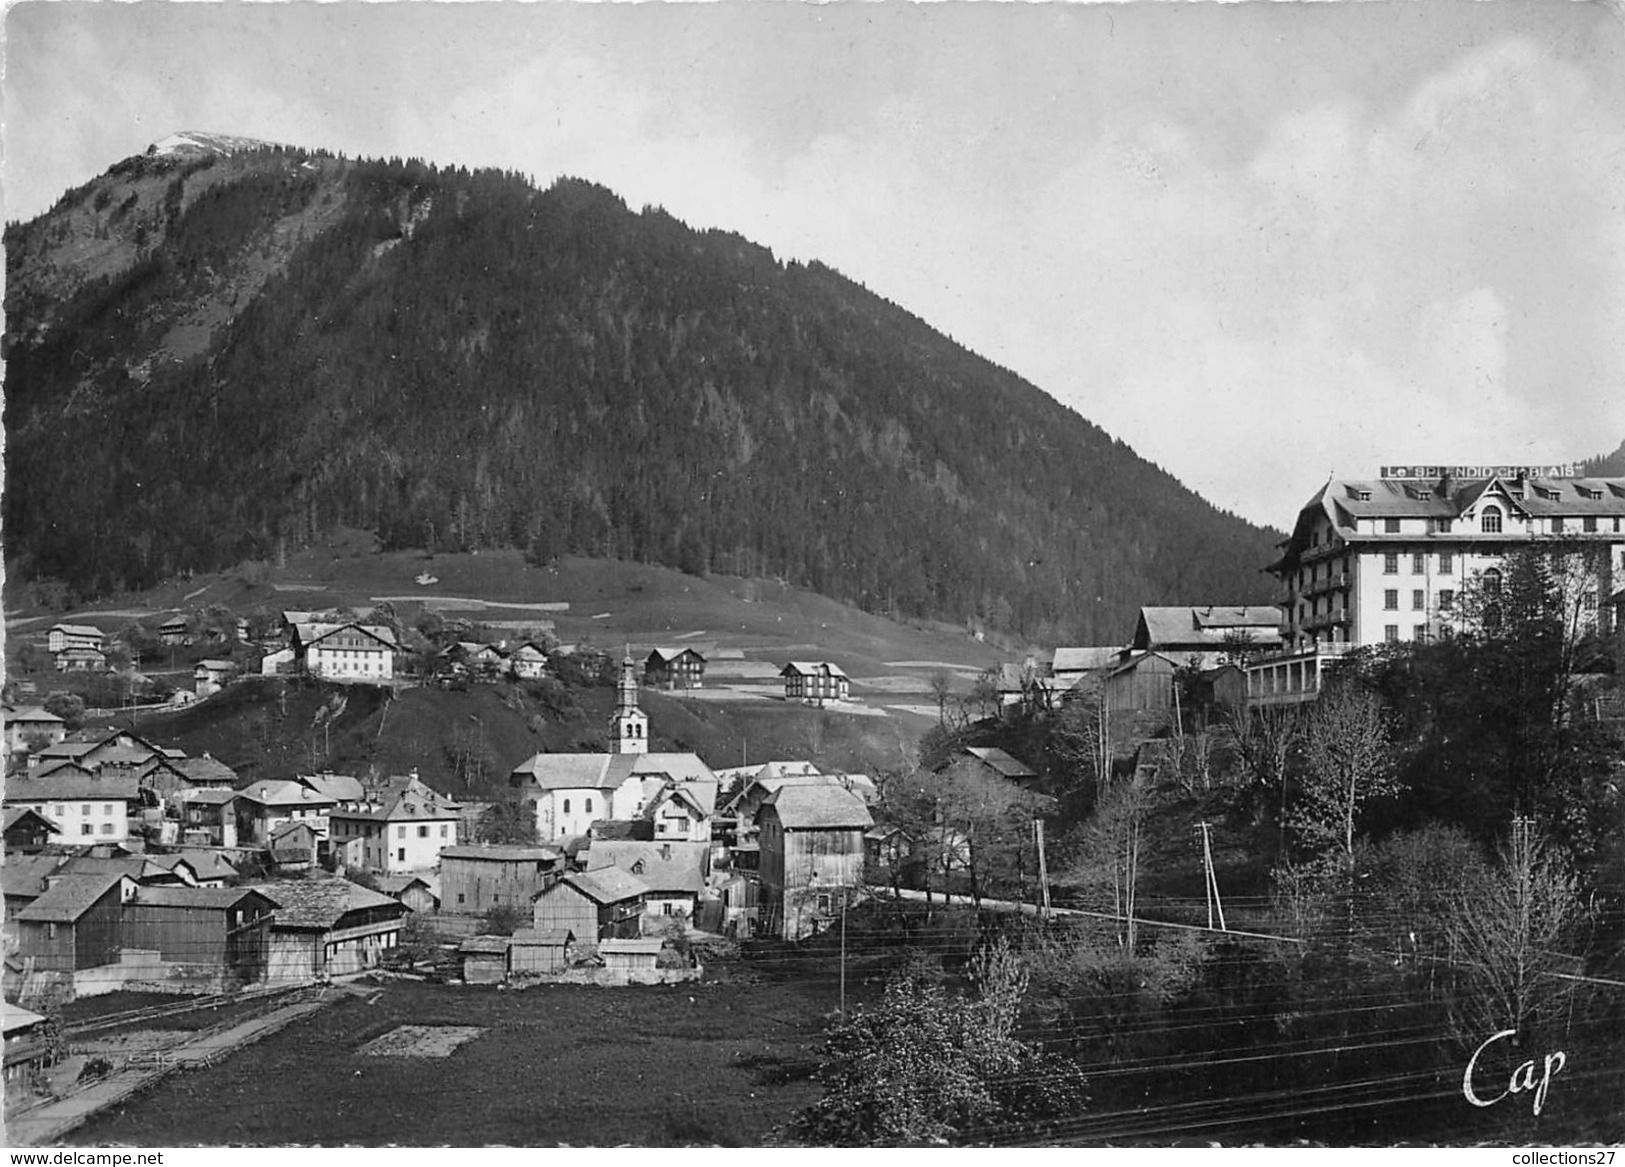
843	950
1211	879
1043	871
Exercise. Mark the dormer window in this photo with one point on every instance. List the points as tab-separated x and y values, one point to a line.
1363	495
1490	521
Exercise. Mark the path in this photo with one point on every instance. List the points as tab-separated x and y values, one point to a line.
44	1124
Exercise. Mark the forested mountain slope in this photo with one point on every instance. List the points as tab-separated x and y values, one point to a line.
214	355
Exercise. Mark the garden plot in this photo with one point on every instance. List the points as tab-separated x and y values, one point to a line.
420	1041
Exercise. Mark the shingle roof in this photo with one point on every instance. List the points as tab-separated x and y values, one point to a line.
667	867
69	897
321	903
75	785
208	797
501	852
1075	660
485	945
283	792
607	885
211	898
403	798
79	629
608	771
1206	627
643	947
804	808
23	876
340	787
394	885
810	667
546	938
1001	761
207	864
31	713
16	813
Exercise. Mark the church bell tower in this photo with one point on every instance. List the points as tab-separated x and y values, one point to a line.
630	725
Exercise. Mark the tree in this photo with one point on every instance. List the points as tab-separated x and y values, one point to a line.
507	821
1109	855
503	919
1507	937
70	707
922	1066
1349	763
942	688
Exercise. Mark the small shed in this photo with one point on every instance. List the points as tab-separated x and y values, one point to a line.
412	890
533	951
485	959
631	955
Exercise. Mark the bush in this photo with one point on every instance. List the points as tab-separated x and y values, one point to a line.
504	920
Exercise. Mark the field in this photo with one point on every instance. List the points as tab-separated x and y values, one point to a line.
698	1064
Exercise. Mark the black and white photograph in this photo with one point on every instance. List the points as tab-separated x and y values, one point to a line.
738	575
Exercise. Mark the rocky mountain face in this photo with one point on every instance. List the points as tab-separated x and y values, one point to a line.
221	348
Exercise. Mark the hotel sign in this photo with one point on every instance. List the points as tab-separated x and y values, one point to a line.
1435	472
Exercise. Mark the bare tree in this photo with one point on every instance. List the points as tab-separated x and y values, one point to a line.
1506	938
1350	763
942	688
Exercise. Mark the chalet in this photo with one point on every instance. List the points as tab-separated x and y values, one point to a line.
402	825
485	959
205	772
27	830
673	873
74	923
293	846
815	682
210	676
327	927
262	807
346	790
143	869
81	660
29	726
209	868
528	662
483	662
812	852
476	877
24	880
744	808
1068	666
85	807
539	953
674	668
219	933
999	764
174	632
346	652
1206	636
93	750
570	792
681	812
416	892
598	905
29	1051
63	637
1143	682
208	818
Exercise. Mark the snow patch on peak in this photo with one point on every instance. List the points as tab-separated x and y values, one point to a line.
200	142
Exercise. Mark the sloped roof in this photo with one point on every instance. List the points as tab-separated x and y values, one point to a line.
216	666
667	867
207	864
69	897
205	771
1001	761
314	631
501	852
75	785
807	808
396	885
1082	660
23	876
17	1018
136	867
1135	659
404	798
30	713
209	898
290	827
810	667
15	814
607	885
283	792
1206	627
642	947
485	946
78	630
339	787
543	938
208	797
668	655
608	771
321	903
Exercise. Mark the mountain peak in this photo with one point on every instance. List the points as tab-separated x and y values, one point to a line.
203	142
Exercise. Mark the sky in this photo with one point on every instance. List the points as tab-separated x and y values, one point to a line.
1261	243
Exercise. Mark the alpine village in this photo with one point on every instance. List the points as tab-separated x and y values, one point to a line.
485	666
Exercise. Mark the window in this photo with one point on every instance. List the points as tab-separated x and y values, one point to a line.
1447	563
107	808
1391	526
1443	526
443	831
423	832
87	828
1588	601
1420	632
1419	563
1390	563
1492	581
823	904
1365	495
459	897
400	832
1557	524
1589	524
589	806
1490	521
566	806
1390	633
1419	600
1447	599
58	811
107	828
400	854
1390	600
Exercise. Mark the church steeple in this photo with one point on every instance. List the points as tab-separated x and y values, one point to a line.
630	724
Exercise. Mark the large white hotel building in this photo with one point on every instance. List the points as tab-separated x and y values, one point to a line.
1384	559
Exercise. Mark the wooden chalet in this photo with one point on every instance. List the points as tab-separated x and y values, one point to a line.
28	830
673	874
327	927
811	859
476	877
674	668
416	892
75	923
28	726
218	933
528	662
63	637
601	905
815	682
